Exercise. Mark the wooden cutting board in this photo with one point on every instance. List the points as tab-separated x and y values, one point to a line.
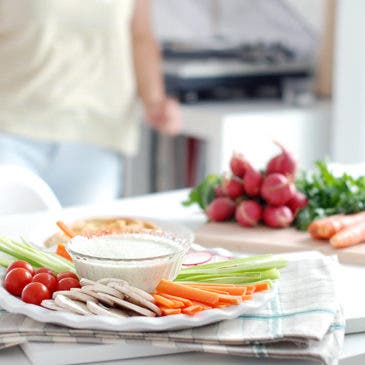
267	240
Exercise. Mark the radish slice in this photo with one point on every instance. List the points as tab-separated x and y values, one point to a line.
196	258
218	258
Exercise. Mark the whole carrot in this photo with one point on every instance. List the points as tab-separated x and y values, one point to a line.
349	236
324	228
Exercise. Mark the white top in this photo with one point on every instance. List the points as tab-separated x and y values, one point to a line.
67	71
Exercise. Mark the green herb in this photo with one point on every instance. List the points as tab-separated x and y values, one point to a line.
23	250
203	194
328	195
251	269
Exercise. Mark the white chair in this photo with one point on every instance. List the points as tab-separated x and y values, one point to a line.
22	191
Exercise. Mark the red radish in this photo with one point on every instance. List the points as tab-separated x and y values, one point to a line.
232	187
238	164
218	191
277	217
277	189
221	209
284	163
196	258
297	202
252	182
248	213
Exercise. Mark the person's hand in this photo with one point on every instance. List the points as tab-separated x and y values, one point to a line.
164	116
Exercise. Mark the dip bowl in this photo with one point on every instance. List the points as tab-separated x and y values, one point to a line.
142	259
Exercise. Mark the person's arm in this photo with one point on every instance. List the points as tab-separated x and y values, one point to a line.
160	111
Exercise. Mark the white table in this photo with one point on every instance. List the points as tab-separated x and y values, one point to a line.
167	206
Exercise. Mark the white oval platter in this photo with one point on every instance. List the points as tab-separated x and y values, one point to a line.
13	304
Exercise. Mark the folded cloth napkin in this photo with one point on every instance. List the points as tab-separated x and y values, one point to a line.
304	320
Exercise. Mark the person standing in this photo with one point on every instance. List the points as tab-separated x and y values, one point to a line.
70	75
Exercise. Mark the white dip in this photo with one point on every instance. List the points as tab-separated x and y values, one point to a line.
140	259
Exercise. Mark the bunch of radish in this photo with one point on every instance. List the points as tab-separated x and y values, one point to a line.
250	196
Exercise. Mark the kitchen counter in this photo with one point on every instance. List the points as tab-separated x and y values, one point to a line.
167	206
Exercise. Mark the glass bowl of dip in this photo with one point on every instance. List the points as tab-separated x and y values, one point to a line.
142	259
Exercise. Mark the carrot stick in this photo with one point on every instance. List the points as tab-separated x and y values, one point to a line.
170	311
349	236
327	227
164	302
187	302
230	299
222	305
211	284
208	288
239	290
192	309
250	289
261	287
247	297
67	231
61	251
205	306
188	292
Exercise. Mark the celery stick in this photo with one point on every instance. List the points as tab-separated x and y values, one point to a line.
35	256
5	262
260	266
16	255
228	262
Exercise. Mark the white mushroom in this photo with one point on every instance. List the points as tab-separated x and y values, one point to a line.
99	309
75	294
130	306
84	281
114	280
101	288
72	305
97	296
50	304
131	296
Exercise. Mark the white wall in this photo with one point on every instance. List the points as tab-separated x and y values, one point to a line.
348	132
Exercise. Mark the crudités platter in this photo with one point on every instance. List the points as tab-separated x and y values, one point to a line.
175	322
132	280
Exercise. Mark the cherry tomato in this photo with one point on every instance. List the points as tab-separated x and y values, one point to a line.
34	293
21	264
16	279
67	284
67	274
49	280
44	269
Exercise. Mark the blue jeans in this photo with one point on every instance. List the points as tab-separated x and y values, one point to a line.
77	173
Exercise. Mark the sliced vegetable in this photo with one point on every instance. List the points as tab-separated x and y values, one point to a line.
24	250
170	311
5	262
199	295
164	302
192	309
195	258
66	230
187	302
61	251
